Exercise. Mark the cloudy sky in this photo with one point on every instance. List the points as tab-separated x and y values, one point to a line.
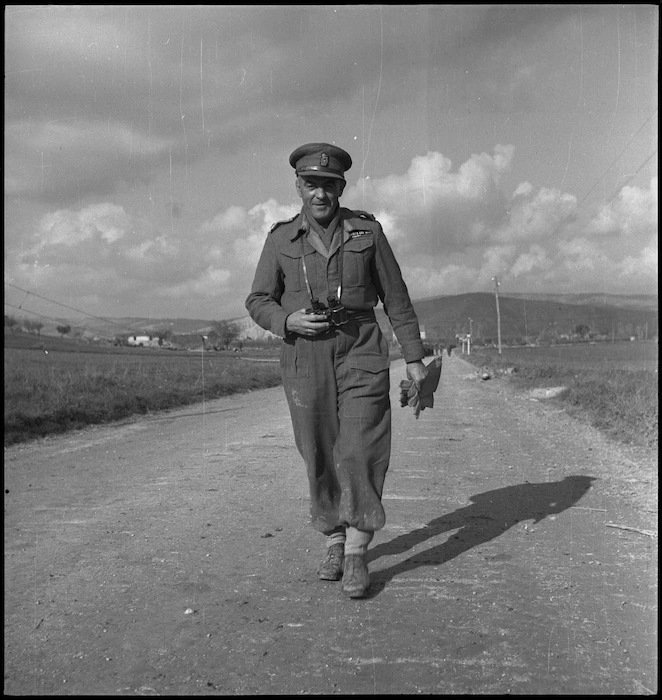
146	147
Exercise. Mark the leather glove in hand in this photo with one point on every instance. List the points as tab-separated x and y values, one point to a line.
419	401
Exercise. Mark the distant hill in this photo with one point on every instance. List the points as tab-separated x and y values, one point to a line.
248	329
523	317
625	301
537	317
139	325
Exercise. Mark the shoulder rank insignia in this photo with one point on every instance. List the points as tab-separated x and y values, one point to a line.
365	215
285	221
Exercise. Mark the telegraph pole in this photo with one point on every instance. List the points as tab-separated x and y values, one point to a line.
496	293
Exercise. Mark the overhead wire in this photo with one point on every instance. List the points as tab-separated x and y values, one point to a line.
620	187
66	306
50	318
611	165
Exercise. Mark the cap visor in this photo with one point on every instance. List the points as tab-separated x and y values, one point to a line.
319	173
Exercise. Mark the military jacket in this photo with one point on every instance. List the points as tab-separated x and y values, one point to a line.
370	273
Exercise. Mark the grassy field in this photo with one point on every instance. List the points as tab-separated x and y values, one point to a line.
614	386
53	385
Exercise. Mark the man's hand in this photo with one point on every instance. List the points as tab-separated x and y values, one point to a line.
306	324
417	373
418	389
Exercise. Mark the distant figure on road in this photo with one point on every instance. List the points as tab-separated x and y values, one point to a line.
334	358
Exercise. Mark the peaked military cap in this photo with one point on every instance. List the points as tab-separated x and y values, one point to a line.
321	160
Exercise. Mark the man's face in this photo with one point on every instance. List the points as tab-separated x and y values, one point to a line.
320	196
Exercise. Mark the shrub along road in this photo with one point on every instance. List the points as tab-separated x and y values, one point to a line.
171	555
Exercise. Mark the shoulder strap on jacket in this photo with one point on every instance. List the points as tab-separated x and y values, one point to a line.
284	221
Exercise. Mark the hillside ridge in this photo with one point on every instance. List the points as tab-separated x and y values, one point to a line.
524	317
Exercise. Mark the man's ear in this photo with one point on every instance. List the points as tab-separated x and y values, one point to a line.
341	189
297	184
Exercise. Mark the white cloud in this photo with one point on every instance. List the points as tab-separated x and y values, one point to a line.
533	260
632	213
464	232
496	261
436	218
67	228
232	220
82	249
432	209
523	189
643	265
261	218
429	183
238	235
536	215
389	224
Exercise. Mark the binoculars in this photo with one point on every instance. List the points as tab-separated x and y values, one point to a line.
336	313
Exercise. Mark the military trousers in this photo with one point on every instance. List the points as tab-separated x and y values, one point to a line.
337	387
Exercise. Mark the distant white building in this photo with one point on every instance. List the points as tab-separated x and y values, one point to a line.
144	341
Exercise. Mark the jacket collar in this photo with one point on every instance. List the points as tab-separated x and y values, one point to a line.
303	225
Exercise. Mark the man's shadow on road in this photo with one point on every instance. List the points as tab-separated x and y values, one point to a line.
490	515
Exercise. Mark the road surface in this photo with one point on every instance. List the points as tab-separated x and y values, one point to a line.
171	554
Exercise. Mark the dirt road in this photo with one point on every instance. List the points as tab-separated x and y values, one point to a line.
172	555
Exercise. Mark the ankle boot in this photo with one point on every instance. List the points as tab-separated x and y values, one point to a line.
355	580
332	567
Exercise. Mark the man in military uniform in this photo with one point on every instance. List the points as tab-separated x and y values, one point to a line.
318	279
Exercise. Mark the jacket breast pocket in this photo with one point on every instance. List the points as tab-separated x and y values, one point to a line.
293	272
356	261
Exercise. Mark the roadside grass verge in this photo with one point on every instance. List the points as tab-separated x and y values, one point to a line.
53	393
621	402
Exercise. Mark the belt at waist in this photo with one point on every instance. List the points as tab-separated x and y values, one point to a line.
361	316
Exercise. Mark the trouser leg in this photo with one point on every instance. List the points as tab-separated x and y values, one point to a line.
361	457
363	448
310	387
337	389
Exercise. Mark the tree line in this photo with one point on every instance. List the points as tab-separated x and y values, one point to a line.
222	335
24	324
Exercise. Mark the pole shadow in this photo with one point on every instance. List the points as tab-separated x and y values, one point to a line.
490	515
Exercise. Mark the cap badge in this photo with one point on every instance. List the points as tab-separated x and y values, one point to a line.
324	160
